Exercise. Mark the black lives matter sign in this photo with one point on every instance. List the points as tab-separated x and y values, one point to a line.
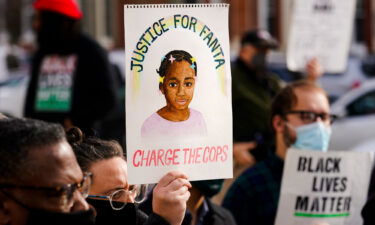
327	179
323	187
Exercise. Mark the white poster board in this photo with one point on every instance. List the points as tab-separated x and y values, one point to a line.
201	144
321	29
321	188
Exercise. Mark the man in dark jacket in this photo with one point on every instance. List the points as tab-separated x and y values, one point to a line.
71	77
40	182
300	118
253	87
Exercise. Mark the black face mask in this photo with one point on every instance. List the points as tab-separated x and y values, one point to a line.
208	188
106	215
43	217
259	62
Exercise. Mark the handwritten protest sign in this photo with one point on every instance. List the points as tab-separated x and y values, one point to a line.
324	188
178	91
321	29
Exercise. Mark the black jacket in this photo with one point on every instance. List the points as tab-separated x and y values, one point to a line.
217	215
93	94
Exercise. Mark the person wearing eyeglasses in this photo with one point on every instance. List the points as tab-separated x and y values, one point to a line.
301	119
111	195
40	179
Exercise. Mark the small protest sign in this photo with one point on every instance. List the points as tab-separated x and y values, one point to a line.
321	29
323	187
178	92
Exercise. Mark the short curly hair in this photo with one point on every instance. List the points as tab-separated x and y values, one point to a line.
178	55
20	137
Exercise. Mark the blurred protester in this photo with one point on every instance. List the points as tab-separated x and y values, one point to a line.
253	87
200	209
2	116
71	77
300	119
368	211
111	194
40	182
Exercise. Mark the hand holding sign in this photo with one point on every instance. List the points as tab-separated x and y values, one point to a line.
170	197
314	69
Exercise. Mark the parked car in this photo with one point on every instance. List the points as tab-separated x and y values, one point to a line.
357	72
12	95
356	110
353	77
368	146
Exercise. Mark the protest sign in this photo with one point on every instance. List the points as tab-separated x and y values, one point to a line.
178	91
327	188
321	29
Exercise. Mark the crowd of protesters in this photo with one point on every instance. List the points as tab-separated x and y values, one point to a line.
56	170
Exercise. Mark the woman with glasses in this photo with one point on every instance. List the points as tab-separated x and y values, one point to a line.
112	196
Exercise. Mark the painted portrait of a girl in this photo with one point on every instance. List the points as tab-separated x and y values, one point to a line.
177	79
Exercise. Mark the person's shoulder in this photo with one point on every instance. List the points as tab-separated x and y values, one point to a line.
90	45
197	117
254	175
221	212
141	217
275	80
195	112
152	120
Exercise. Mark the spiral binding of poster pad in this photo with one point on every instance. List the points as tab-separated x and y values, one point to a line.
214	5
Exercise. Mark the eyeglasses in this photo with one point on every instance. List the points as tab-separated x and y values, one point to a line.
64	192
119	198
310	117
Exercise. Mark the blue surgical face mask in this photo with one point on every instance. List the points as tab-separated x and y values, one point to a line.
314	136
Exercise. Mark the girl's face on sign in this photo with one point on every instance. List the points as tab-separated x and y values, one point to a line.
178	85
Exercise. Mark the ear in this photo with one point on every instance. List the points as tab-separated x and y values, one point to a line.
161	88
4	211
278	124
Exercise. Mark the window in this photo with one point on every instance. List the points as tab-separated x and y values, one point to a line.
364	105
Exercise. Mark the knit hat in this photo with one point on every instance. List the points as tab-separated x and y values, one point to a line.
68	8
259	38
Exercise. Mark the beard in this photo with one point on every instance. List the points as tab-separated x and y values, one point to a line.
288	136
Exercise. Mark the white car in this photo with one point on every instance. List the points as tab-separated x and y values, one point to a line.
368	146
356	124
338	84
12	95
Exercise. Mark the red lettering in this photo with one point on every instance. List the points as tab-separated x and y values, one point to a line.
225	156
185	154
191	156
174	162
198	155
145	159
168	158
212	150
134	158
153	158
206	150
160	155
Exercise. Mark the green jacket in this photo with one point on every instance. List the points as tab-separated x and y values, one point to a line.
251	99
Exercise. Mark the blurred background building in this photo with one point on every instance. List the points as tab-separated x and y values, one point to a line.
353	91
104	19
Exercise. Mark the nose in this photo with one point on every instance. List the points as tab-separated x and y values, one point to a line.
131	197
181	90
80	203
